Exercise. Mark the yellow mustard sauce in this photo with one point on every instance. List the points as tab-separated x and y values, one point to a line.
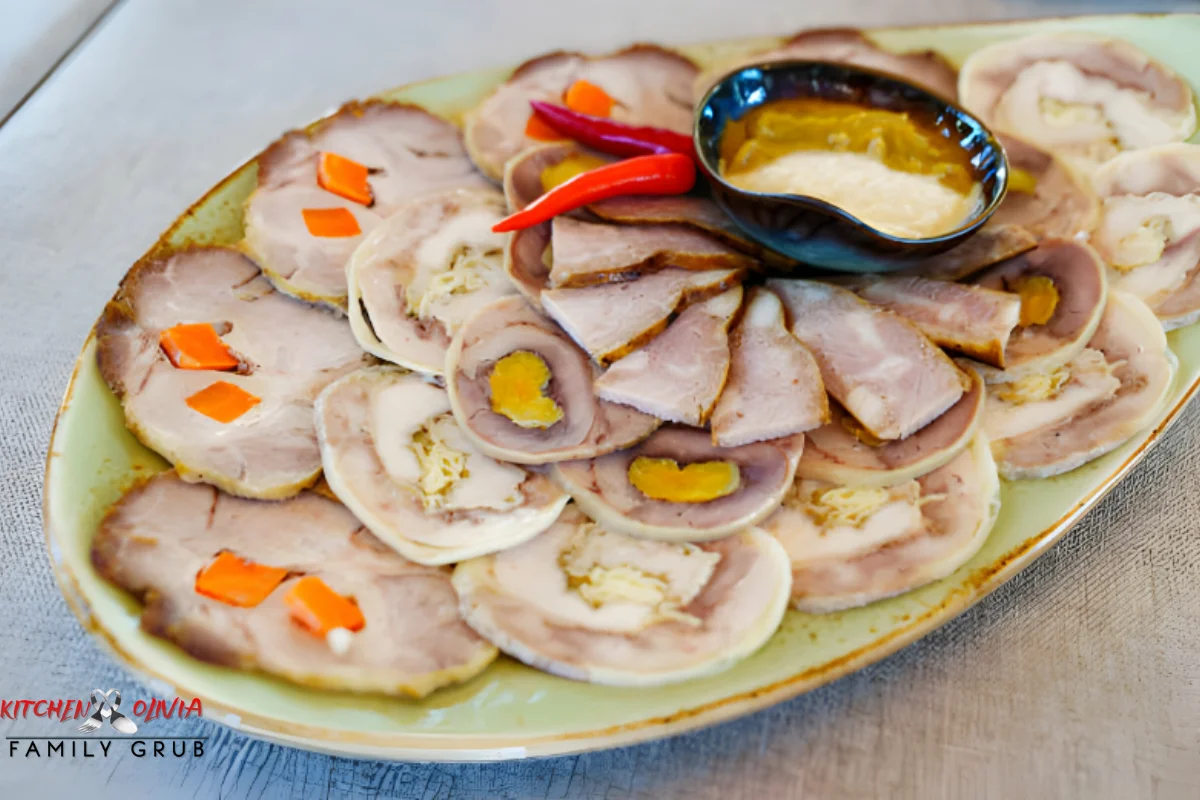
889	169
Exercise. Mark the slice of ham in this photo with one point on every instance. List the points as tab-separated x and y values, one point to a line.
589	426
1061	205
1082	96
879	367
527	261
601	486
588	253
1150	232
1079	278
1135	349
646	305
411	153
774	387
990	245
899	548
440	252
968	319
650	86
833	453
679	375
288	351
367	422
157	537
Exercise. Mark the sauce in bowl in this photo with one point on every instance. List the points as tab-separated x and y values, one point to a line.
901	175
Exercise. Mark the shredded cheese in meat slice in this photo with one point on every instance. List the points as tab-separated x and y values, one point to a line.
1035	388
1143	246
846	506
442	466
468	271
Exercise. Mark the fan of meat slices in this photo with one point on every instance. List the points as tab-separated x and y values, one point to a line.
611	439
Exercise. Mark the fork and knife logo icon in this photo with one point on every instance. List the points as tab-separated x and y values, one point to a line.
103	707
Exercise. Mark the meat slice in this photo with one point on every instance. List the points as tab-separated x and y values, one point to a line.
883	370
650	86
157	537
523	173
586	425
990	245
774	387
646	304
410	152
288	352
968	319
1047	197
588	253
679	375
590	605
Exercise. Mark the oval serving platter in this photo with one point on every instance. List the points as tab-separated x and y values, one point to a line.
511	711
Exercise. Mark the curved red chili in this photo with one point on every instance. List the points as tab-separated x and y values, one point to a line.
609	136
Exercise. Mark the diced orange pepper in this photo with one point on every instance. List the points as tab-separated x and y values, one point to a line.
320	609
237	582
536	129
223	401
344	177
196	346
330	222
588	98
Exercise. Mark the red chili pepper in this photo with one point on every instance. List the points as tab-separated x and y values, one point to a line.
664	173
612	137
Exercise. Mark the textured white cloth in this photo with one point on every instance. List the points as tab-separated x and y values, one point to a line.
1080	678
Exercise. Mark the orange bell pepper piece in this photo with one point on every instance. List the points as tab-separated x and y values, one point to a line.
330	222
344	177
588	98
196	346
319	609
237	582
223	401
536	129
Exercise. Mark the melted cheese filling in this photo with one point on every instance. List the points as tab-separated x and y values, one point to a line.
1151	240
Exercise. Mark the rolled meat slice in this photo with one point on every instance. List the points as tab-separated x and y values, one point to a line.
1046	196
590	605
678	486
1055	420
522	390
415	278
286	352
1062	287
535	171
882	370
774	387
649	85
157	539
395	456
842	452
971	320
1084	97
679	375
1150	232
407	152
850	545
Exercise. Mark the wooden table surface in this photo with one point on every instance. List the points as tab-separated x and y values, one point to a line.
1080	678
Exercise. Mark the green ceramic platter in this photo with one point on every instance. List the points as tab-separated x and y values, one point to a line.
511	711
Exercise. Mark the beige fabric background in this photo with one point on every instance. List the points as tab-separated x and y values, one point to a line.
1079	679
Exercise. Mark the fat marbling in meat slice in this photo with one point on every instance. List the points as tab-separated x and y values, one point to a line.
925	68
1060	203
679	375
645	303
650	86
588	253
591	605
1150	232
882	370
411	153
1078	276
990	245
415	278
289	351
851	546
968	319
156	539
774	387
1082	96
602	488
1055	421
589	426
395	456
840	452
